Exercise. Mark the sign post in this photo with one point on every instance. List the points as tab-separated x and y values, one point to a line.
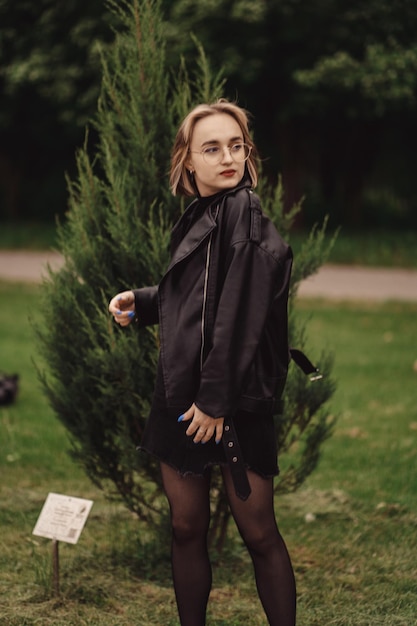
55	566
62	519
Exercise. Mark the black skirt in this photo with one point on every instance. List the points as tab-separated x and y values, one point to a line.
164	437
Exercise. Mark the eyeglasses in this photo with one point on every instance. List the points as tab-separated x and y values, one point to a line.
212	155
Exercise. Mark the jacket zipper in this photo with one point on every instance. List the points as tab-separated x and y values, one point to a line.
204	307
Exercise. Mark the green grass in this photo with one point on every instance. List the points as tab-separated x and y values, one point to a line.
379	248
375	350
351	529
27	235
373	249
376	248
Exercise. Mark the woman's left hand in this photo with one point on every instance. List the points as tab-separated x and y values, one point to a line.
202	425
122	307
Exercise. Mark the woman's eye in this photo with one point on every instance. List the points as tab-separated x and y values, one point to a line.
236	148
212	150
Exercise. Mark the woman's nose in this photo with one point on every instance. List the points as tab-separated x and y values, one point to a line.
227	155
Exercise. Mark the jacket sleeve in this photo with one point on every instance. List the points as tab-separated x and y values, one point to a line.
252	280
146	306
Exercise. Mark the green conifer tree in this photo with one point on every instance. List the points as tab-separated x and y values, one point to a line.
98	377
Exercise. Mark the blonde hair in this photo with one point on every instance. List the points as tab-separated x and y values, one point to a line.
180	180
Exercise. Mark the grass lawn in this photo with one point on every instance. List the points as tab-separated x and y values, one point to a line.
351	529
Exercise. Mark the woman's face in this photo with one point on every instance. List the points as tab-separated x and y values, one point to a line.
214	167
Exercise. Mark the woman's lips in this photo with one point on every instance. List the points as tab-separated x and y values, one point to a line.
228	173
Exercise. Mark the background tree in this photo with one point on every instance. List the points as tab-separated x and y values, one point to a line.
99	378
49	84
332	88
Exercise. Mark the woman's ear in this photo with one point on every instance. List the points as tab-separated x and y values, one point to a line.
188	164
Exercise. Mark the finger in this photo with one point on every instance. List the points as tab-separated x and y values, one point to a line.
185	417
196	428
122	301
199	423
128	317
125	299
206	431
124	318
219	431
208	434
203	427
202	435
114	305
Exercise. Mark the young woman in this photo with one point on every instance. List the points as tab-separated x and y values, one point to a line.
222	313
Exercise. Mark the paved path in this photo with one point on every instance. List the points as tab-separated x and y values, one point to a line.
26	266
332	281
340	282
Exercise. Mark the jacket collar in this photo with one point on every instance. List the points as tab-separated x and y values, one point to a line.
203	226
197	233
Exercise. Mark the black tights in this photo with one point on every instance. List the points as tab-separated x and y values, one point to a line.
188	499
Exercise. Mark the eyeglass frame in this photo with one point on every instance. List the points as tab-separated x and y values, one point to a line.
241	143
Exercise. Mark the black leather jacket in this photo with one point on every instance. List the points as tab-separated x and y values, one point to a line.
222	308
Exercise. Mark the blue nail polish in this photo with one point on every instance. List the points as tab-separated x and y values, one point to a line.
218	441
131	314
181	417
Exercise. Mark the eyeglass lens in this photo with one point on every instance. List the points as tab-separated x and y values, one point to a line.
239	152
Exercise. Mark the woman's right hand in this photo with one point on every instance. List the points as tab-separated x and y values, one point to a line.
122	307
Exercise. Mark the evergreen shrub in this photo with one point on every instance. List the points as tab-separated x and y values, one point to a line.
97	376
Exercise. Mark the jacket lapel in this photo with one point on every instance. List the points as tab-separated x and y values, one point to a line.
200	229
197	233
